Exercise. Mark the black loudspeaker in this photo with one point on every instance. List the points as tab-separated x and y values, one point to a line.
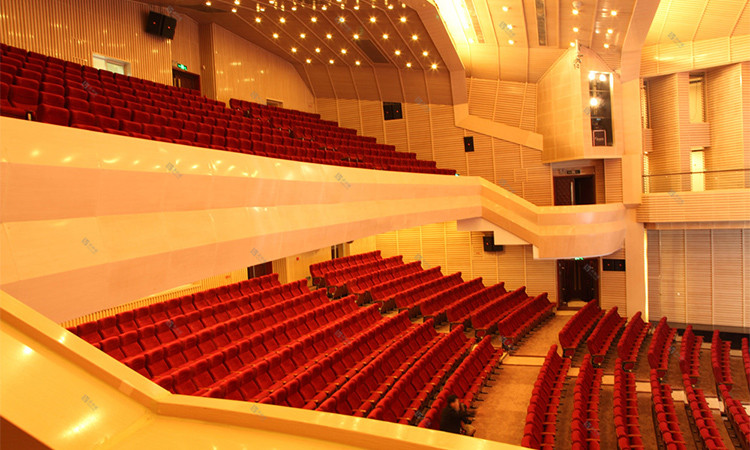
613	265
489	244
154	23
392	111
168	26
469	144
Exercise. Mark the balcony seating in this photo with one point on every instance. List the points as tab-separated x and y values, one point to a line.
661	347
335	280
631	340
394	278
318	270
720	360
701	415
625	406
668	433
578	327
485	318
410	298
604	335
737	416
436	305
523	319
460	312
541	417
690	354
585	420
63	93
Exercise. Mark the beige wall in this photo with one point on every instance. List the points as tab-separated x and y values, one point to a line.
700	276
245	71
74	29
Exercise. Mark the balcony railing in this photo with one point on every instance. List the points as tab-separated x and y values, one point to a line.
706	180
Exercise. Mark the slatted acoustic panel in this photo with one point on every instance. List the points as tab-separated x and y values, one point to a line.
482	96
507	166
728	146
328	109
612	290
612	181
420	131
342	82
449	147
74	29
700	276
208	283
242	70
483	264
458	249
481	162
396	133
541	274
433	245
349	116
387	243
746	115
599	180
537	186
512	266
372	120
664	106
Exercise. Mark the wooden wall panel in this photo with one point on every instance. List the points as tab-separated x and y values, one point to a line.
448	147
699	276
420	131
613	177
724	112
75	29
668	100
457	249
387	243
372	120
433	249
482	95
245	71
481	161
395	133
348	115
328	109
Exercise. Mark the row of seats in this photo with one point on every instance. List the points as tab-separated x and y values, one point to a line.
409	298
460	312
335	280
575	331
690	354
262	376
604	334
721	360
250	340
418	385
660	348
466	382
625	405
746	359
631	340
702	416
379	289
541	416
319	270
130	320
485	317
523	319
436	305
585	419
342	365
361	285
361	392
668	433
737	416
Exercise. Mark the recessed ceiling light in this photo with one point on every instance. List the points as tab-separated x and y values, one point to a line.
356	36
317	49
329	36
313	19
208	3
294	49
414	37
257	19
330	61
613	12
397	52
308	60
294	8
373	19
302	35
575	29
237	2
602	77
592	75
511	41
324	7
356	7
434	66
610	31
390	6
596	31
408	64
357	62
234	10
343	51
403	5
572	44
509	26
593	101
403	19
282	20
342	19
606	45
385	35
425	53
575	12
276	35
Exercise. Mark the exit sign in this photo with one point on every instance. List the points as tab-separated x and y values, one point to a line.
181	66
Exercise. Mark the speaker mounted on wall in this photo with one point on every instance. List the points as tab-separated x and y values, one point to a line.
161	25
468	144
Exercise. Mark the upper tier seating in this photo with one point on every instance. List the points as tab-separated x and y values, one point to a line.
604	335
460	312
318	270
58	92
666	424
436	305
541	417
627	427
485	318
383	279
720	360
702	416
578	327
630	343
384	294
335	280
690	352
661	347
